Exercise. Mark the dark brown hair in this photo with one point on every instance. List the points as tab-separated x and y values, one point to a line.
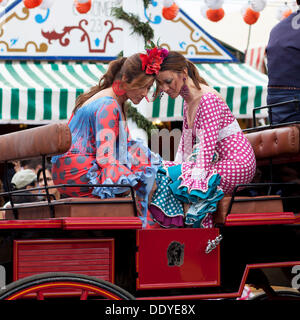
176	62
129	68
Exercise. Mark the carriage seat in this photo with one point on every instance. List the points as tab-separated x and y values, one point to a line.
279	145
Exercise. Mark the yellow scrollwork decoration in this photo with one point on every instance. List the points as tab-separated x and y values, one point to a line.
43	47
213	51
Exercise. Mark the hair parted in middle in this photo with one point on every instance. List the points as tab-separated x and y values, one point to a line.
129	69
176	62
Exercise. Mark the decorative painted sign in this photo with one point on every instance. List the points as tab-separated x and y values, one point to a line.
60	32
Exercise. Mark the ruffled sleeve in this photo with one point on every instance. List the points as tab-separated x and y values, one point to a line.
109	142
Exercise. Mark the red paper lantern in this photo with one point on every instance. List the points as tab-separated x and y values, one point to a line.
83	7
170	13
251	16
3	3
286	13
215	14
30	4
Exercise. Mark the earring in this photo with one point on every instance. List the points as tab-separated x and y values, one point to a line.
184	91
116	86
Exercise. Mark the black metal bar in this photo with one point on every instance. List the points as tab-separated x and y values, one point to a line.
270	106
72	185
52	204
52	213
270	126
8	183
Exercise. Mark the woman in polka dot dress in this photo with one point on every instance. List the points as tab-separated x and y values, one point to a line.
213	155
102	151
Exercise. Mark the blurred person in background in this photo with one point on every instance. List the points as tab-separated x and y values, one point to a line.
41	182
22	180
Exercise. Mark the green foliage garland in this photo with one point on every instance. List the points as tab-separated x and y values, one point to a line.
146	3
142	28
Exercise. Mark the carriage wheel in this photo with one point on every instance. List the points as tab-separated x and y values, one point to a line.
279	295
61	284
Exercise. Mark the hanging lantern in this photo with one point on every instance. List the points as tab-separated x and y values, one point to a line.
171	12
30	4
168	3
3	3
286	13
215	14
258	5
250	16
46	4
214	4
83	6
283	12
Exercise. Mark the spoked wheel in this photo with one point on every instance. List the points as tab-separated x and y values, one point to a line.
63	285
279	295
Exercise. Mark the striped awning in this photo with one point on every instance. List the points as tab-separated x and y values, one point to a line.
243	88
33	92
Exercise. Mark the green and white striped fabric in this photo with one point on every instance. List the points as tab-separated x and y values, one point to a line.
242	87
34	92
43	92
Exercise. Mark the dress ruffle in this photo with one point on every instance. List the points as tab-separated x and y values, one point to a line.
171	192
165	208
165	221
109	192
203	201
199	211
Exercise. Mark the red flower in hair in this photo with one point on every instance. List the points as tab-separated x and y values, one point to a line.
152	60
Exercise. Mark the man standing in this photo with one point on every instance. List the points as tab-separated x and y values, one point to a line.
283	55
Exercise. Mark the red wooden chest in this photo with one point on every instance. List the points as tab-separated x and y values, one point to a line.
176	258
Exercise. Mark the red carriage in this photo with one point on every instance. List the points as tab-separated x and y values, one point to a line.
89	248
